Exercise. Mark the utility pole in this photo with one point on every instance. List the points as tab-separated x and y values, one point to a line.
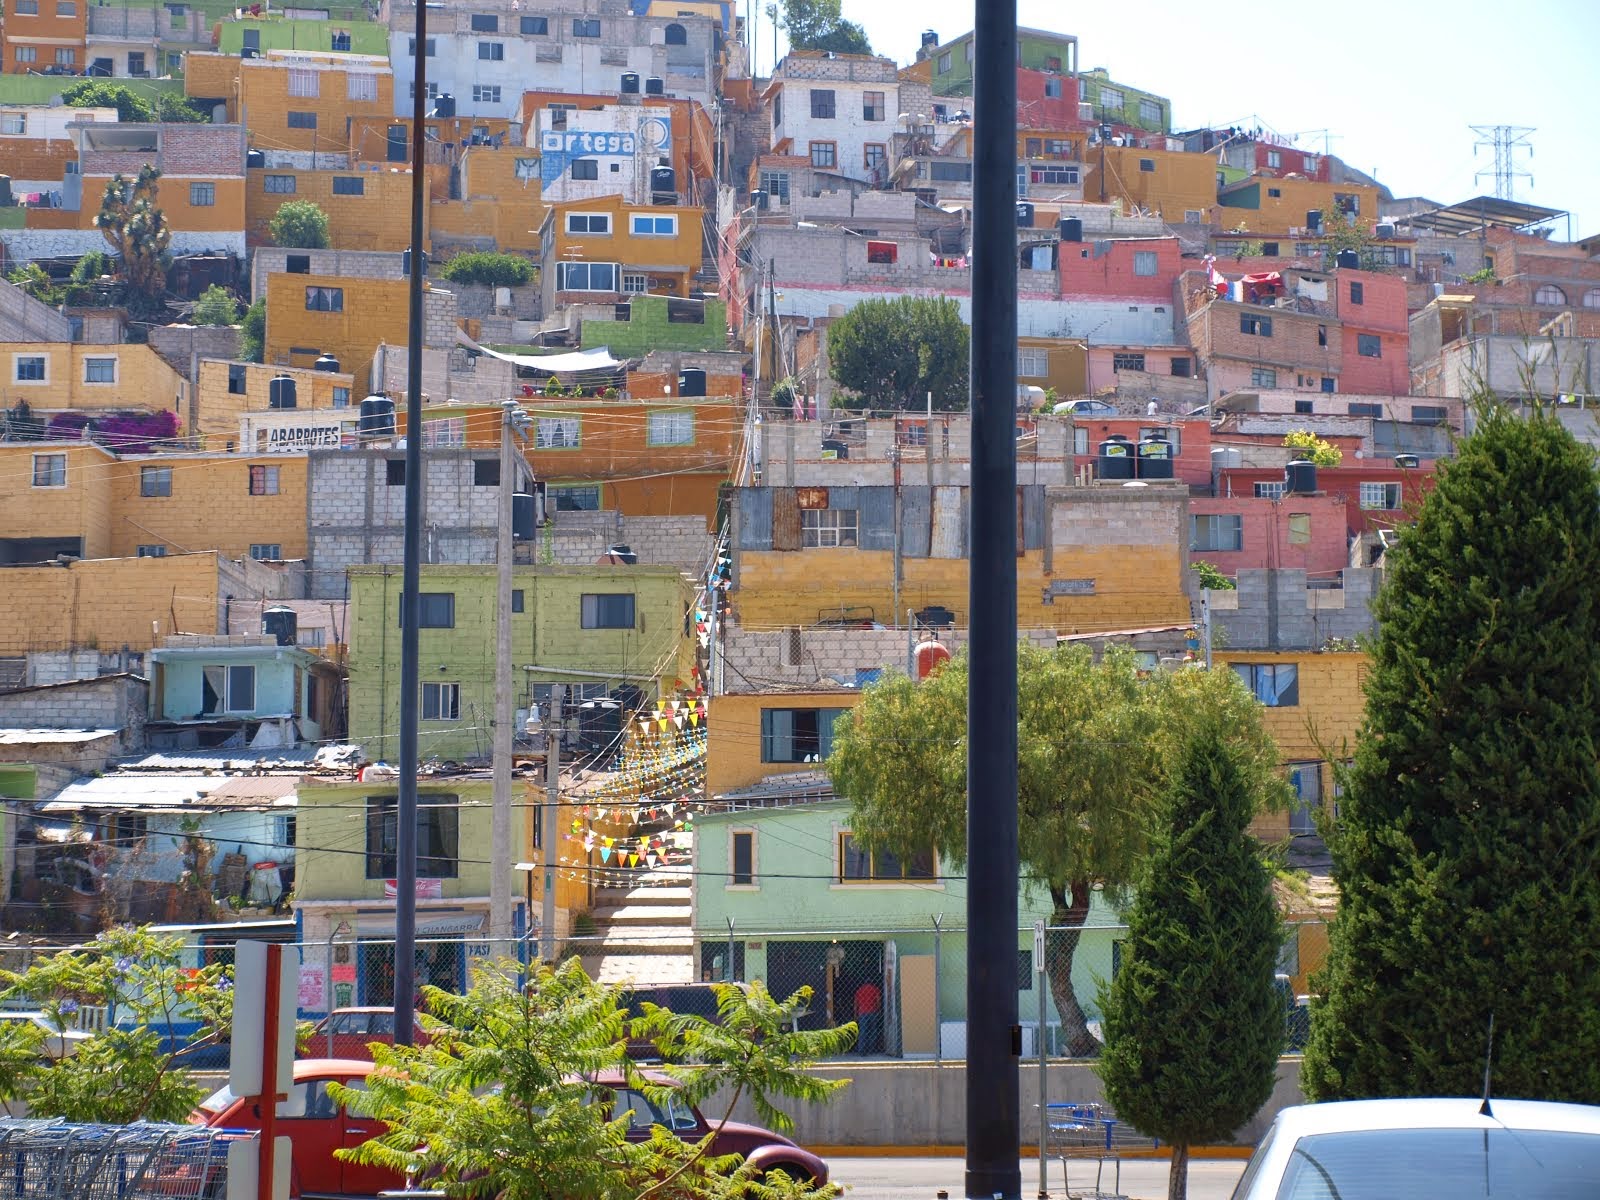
547	823
1105	136
513	425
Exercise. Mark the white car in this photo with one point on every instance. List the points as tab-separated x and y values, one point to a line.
1435	1149
58	1043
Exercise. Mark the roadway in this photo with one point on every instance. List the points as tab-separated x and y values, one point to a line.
924	1178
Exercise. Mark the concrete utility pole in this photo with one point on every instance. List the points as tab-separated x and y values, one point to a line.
513	424
547	823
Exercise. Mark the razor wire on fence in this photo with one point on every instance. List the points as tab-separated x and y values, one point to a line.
54	1160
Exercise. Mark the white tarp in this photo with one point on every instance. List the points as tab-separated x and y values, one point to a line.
556	364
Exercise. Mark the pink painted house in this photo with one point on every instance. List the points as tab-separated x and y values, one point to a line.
1248	530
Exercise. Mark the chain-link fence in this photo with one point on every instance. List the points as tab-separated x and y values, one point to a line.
54	1160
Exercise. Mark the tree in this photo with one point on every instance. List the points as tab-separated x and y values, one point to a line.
1467	852
1094	742
820	25
1193	1022
1342	232
1314	449
134	1069
216	306
102	93
35	280
253	332
488	267
179	109
1211	576
500	1103
136	228
891	353
299	225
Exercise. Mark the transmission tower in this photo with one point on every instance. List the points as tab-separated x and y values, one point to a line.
1506	141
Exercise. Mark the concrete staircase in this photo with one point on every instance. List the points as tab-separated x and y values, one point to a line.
644	931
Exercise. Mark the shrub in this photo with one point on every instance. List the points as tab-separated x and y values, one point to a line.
216	306
299	225
488	267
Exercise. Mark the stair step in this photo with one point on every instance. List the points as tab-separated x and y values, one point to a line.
677	915
618	897
647	941
655	968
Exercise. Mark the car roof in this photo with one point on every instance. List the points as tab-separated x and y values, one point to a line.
311	1068
1352	1116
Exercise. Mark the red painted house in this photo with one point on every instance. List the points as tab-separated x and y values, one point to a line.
1373	496
1191	441
1133	269
1375	332
1248	530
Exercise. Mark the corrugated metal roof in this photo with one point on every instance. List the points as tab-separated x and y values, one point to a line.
38	737
125	791
799	787
244	758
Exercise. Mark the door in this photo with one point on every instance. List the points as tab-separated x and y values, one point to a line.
309	1118
919	1027
359	1180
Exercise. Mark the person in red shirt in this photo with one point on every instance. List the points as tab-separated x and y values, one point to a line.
869	1018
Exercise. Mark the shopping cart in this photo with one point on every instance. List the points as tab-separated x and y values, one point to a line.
1090	1131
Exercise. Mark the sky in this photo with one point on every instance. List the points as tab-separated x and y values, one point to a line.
1395	84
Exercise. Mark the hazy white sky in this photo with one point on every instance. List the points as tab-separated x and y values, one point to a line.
1396	84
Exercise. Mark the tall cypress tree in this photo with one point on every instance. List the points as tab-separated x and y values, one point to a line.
1193	1024
1467	851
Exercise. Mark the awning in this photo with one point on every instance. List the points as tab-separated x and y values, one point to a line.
572	363
426	927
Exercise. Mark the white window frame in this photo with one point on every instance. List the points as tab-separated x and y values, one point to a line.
558	433
1213	523
1080	440
360	85
446	701
674	427
635	285
304	82
16	369
1271	489
50	462
13	124
1146	263
1376	495
1033	362
566	270
647	224
486	93
829	528
100	359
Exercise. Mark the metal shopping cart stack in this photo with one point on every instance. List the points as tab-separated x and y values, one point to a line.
55	1160
1087	1132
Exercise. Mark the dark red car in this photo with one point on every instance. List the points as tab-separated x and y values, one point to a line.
354	1030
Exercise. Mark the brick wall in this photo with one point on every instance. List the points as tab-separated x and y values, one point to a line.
211	505
379	218
375	311
109	602
109	702
358	264
1272	536
757	659
177	344
1275	610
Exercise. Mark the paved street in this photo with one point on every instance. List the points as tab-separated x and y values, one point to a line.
922	1178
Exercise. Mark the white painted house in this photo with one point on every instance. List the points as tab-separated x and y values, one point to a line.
838	110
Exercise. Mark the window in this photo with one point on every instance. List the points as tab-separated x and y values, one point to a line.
360	85
535	26
792	735
266	551
1358	293
675	35
227	689
66	57
431	88
482	94
394	473
237	377
13	123
1263	377
1111	98
944	61
1033	363
1053	175
1328	383
1150	113
584	168
858	865
1275	193
155	481
588	222
491	51
485	23
1303	406
27	54
436	610
1272	490
670	429
263	481
297	264
1274	158
1216	532
872	108
1144	262
828	527
1180	368
1306	779
776	185
1256	326
947	172
586	27
324	299
1277	685
152	551
1428	414
438	830
304	82
429	51
825	155
518	600
1147	165
1385	496
1591	298
1080	439
278	185
1349	203
341	397
1365	410
1269	249
1299	529
128	829
1127	362
25	8
636	284
441	702
99	370
1322	335
1052	87
557	433
485	472
1369	345
742	858
607	610
575	499
302	120
1549	295
651	225
30	368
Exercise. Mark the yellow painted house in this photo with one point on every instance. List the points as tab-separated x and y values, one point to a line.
228	390
54	376
751	735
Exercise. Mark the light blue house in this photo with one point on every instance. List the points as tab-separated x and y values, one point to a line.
238	690
781	891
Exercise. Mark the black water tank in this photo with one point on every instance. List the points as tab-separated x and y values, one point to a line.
325	362
405	262
1116	459
1300	478
655	87
444	106
282	623
377	417
1072	229
839	450
630	83
255	158
691	382
1348	260
1024	214
664	180
1155	459
626	555
524	516
281	392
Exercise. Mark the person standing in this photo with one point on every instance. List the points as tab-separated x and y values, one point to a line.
869	1018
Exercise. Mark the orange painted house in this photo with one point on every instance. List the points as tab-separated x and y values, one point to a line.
43	33
592	250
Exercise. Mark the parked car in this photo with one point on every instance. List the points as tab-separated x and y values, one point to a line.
1087	408
1433	1149
354	1030
58	1043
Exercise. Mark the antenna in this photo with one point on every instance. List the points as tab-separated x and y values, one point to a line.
1505	141
1488	1062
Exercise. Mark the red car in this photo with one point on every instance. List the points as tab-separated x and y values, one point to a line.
354	1031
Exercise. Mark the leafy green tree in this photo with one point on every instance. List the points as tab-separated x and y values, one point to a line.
179	109
1095	745
253	332
1340	232
132	1070
891	353
1193	1023
1467	852
33	279
500	1103
1211	576
103	93
216	306
131	220
1313	448
820	25
489	267
92	266
299	225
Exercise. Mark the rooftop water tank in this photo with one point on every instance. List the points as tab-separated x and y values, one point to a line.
282	623
376	419
1116	459
1300	478
281	392
325	362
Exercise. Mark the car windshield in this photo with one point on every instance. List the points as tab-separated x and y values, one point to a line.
218	1100
1442	1164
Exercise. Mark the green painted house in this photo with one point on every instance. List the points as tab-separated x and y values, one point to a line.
655	324
275	32
1037	50
782	891
1124	105
597	629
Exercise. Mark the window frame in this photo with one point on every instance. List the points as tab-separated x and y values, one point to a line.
824	103
442	810
52	478
816	150
266	551
436	610
748	878
637	221
273	184
1273	684
445	697
670	427
603	610
18	361
264	480
1371	499
1146	258
1217	527
1369	345
348	185
551	433
155	482
98	361
1255	325
830	528
908	873
324	299
491	52
810	744
593	223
